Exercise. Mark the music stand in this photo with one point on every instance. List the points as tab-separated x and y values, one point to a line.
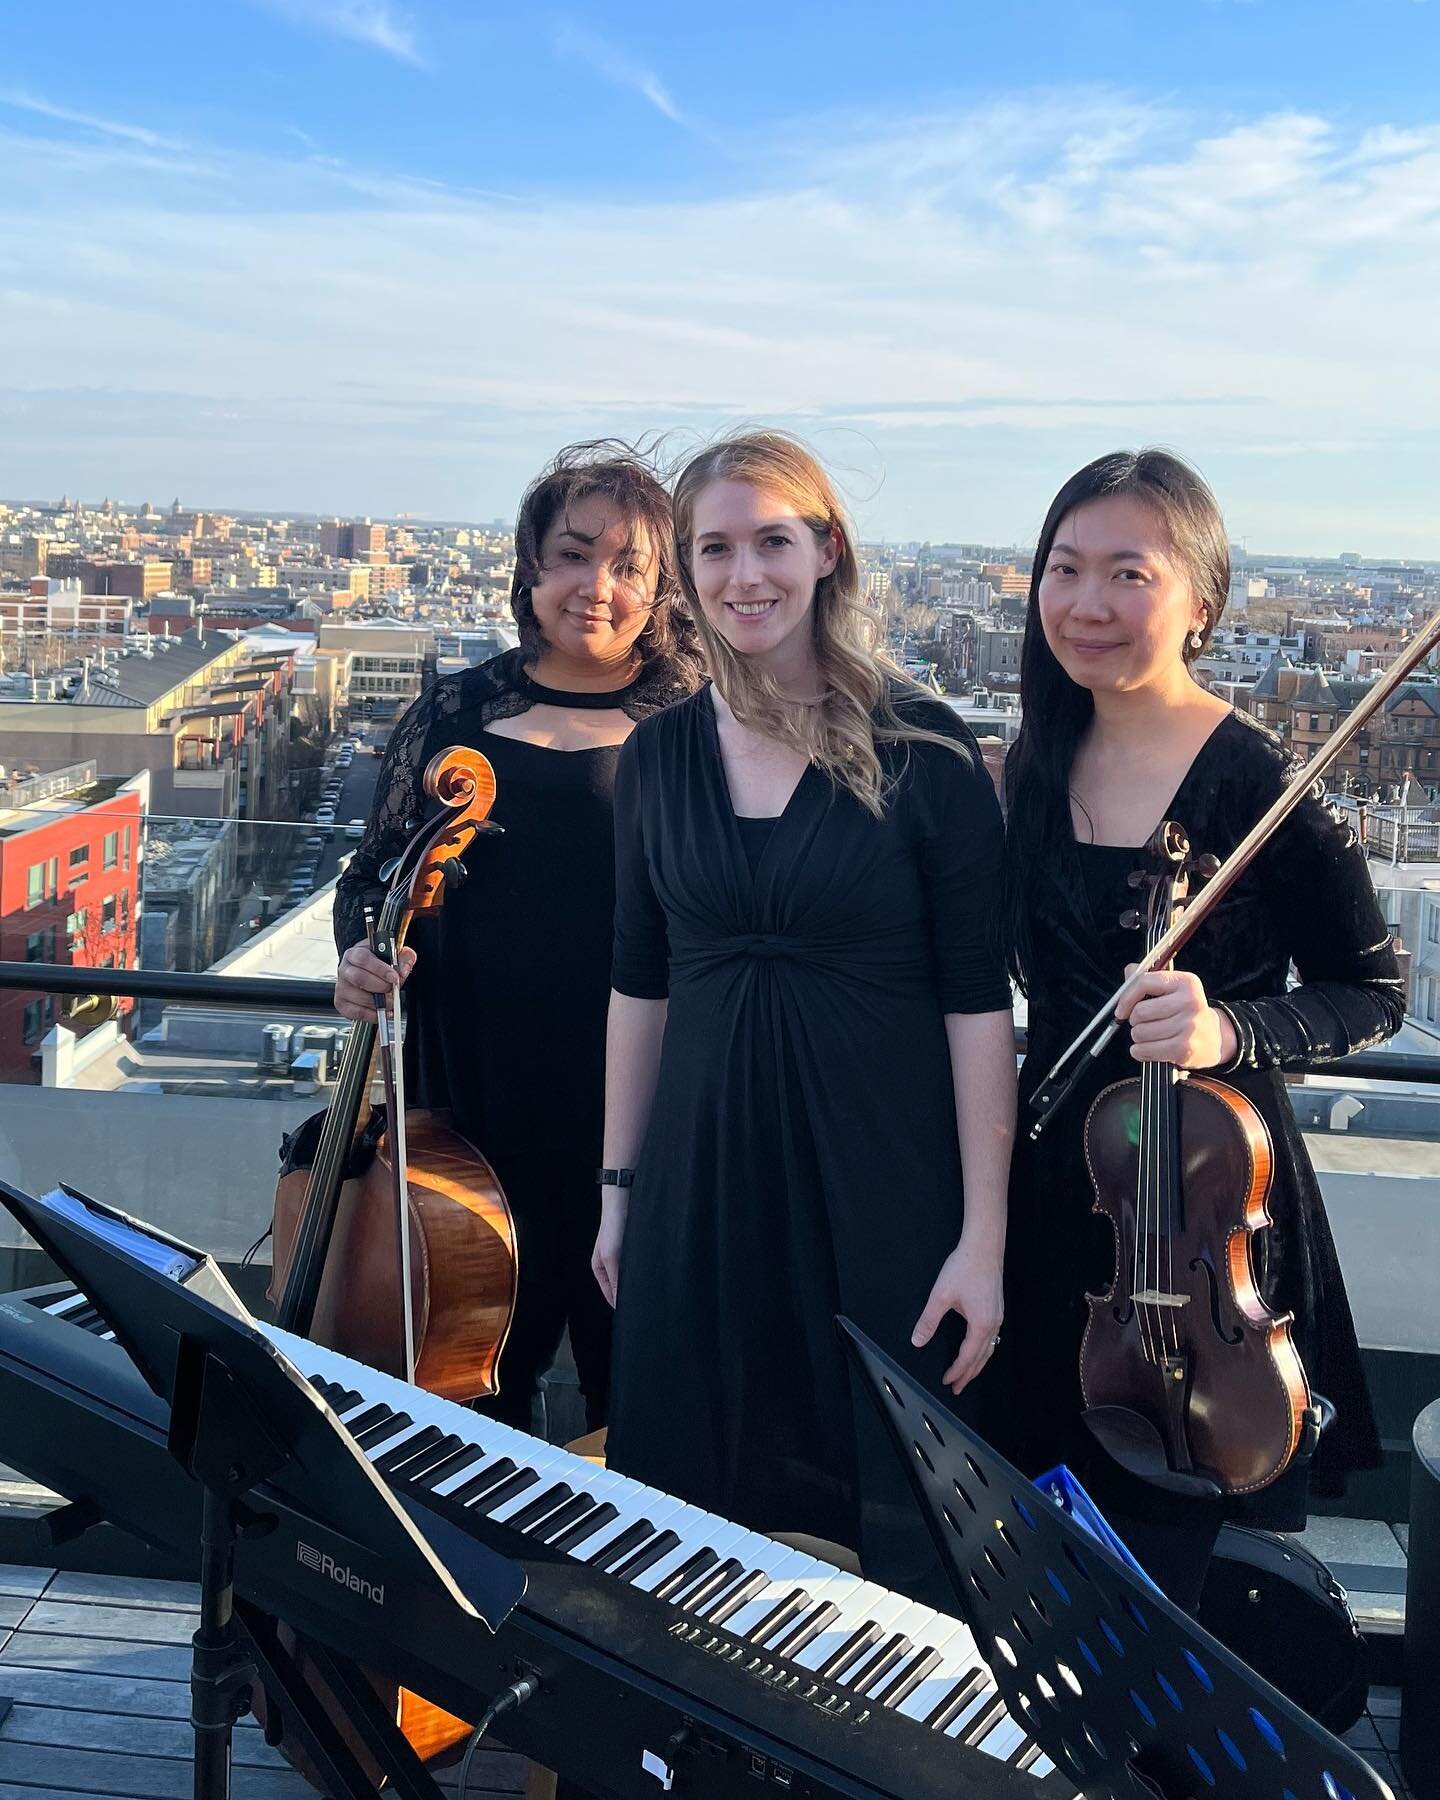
1127	1695
242	1415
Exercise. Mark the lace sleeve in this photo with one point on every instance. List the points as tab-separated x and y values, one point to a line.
399	802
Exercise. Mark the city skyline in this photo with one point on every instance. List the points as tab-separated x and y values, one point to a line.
385	261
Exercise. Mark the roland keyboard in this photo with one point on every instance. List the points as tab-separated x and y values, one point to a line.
679	1650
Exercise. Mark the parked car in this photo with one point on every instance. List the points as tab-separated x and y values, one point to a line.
356	829
314	842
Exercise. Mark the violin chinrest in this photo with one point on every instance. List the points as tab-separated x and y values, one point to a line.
1139	1449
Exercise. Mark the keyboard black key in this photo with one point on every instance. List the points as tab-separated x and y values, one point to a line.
452	1464
778	1617
859	1644
578	1506
442	1450
881	1666
387	1427
984	1722
620	1547
482	1481
690	1570
709	1587
903	1684
807	1630
946	1711
507	1490
540	1507
371	1416
647	1556
603	1515
731	1601
417	1441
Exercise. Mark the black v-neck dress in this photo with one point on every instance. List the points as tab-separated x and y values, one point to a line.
801	1158
1307	900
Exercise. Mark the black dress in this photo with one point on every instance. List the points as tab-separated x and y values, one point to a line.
1306	899
801	1158
506	1007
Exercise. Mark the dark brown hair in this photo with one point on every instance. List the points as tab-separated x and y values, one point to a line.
620	473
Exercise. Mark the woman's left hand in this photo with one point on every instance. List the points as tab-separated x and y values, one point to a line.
970	1284
1171	1021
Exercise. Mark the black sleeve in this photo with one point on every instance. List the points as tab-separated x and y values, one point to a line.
641	963
959	838
1321	902
399	804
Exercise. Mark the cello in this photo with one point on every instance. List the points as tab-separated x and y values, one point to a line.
1182	1347
399	1249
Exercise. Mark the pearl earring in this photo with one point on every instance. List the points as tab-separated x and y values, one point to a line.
1196	640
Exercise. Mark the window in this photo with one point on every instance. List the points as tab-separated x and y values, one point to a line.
79	857
108	913
75	924
125	848
1314	721
35	947
1432	923
124	912
33	1020
35	884
112	849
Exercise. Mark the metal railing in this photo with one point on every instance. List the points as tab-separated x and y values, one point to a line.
290	996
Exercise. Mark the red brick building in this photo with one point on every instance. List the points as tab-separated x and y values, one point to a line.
69	892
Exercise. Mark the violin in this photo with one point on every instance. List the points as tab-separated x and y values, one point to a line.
1190	1382
400	1249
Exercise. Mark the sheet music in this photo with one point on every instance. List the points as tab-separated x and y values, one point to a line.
165	1259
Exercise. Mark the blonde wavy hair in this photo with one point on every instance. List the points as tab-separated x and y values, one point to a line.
856	709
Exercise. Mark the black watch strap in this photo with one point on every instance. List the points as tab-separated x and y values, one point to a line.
621	1178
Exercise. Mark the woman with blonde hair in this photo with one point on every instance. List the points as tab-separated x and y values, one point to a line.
810	1063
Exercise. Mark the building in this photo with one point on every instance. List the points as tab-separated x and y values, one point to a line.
388	663
354	540
997	655
70	856
1304	707
55	608
140	580
156	708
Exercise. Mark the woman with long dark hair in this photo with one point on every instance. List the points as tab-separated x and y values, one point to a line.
811	1064
1130	579
507	988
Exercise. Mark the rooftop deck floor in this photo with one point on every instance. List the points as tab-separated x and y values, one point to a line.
97	1667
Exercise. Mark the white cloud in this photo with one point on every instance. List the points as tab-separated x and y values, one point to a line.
987	295
111	128
370	22
614	66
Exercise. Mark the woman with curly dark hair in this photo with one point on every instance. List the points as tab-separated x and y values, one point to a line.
507	989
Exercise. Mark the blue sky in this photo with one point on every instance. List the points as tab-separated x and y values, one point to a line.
358	256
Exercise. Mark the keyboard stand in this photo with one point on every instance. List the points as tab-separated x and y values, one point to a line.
1128	1696
240	1417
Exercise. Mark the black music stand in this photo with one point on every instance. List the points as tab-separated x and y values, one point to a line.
242	1415
1127	1695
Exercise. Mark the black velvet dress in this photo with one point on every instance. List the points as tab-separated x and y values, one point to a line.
506	1007
802	1157
1307	900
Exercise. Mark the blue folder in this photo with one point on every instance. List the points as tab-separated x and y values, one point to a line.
1061	1488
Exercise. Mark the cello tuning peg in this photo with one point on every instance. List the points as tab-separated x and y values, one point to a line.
1131	921
453	872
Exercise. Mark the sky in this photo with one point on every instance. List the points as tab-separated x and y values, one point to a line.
362	257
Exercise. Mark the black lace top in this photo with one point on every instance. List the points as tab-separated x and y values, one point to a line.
507	1003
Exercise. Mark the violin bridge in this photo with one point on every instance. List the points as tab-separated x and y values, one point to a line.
1153	1297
